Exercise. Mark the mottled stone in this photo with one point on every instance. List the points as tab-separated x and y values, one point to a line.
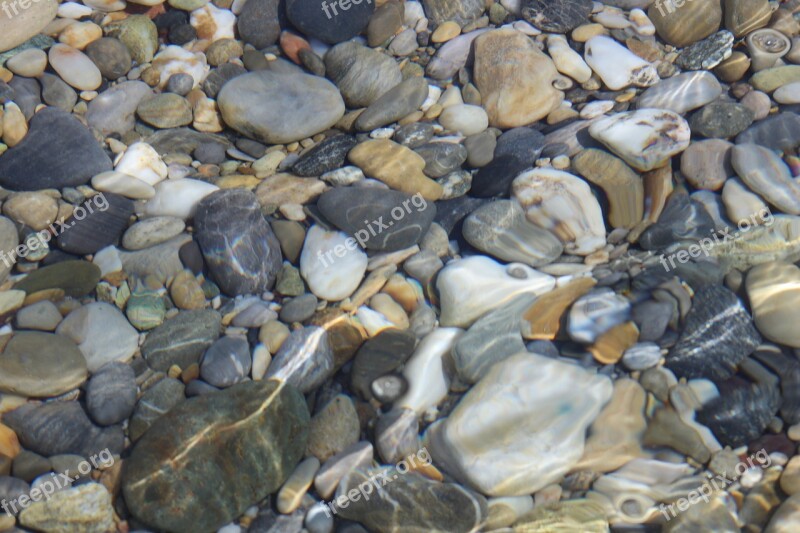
460	11
379	356
333	428
305	359
154	403
86	507
558	16
328	155
258	23
181	340
721	120
40	365
362	74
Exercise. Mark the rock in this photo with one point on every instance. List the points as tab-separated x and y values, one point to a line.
226	362
281	189
154	403
514	78
783	520
501	230
332	264
707	164
29	63
305	359
708	53
427	377
111	394
531	395
258	23
299	309
165	111
398	102
744	16
362	74
102	220
682	26
75	278
461	12
480	149
766	174
270	416
85	507
721	120
397	166
384	23
473	286
772	290
40	365
778	132
113	111
303	105
178	198
718	334
681	93
326	22
43	316
152	231
61	427
399	505
617	66
464	118
111	57
238	245
34	209
139	34
333	428
623	187
560	16
380	356
57	152
563	204
741	414
74	67
161	261
101	332
596	313
57	93
348	208
442	158
326	156
682	219
645	139
652	319
452	55
27	22
181	340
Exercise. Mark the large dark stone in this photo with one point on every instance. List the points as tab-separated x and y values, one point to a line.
379	356
778	132
61	427
683	219
57	152
102	220
258	23
495	178
211	457
239	247
741	413
327	21
394	218
328	155
182	339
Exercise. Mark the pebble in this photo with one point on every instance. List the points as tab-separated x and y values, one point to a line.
28	22
305	359
226	362
771	289
688	24
559	16
86	507
465	119
617	66
706	164
113	111
326	156
95	224
74	67
111	57
182	339
178	198
682	93
29	63
93	326
766	174
165	111
258	23
333	429
400	101
40	365
317	21
395	165
642	356
721	120
111	394
332	264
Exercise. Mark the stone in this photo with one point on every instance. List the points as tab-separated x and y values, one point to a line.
154	403
718	335
543	320
721	120
330	154
362	74
178	198
501	230
74	67
685	25
514	78
333	428
708	53
114	110
165	111
226	362
258	23
348	208
596	313
57	93
75	278
617	66
741	414
645	139
559	16
57	152
462	13
399	506
778	132
33	209
111	57
707	164
682	219
379	356
29	63
475	285
772	290
398	102
426	373
397	166
563	204
623	187
27	22
100	227
84	507
681	93
331	277
452	55
442	158
303	105
527	394
326	23
182	339
101	332
43	316
384	23
182	453
767	175
464	118
299	309
139	34
744	16
111	394
41	365
152	231
61	428
238	245
281	189
304	360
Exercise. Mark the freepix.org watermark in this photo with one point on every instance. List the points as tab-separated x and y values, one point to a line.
12	8
373	229
59	481
376	481
716	484
34	241
344	5
671	6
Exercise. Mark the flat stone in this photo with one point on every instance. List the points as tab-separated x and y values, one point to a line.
302	105
57	152
183	452
773	292
181	340
304	360
442	158
167	110
558	16
258	23
111	394
27	22
152	231
57	93
41	365
326	23
766	174
721	120
85	507
461	12
226	362
102	220
400	101
681	93
682	26
111	57
379	356
114	110
75	278
707	164
328	155
624	188
397	166
333	428
708	53
777	132
238	244
362	74
101	332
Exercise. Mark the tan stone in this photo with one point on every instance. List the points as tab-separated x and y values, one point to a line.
283	188
733	68
515	79
20	24
623	187
33	209
610	346
744	16
542	321
9	443
395	165
657	188
774	292
80	34
14	126
186	291
445	32
682	26
583	33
